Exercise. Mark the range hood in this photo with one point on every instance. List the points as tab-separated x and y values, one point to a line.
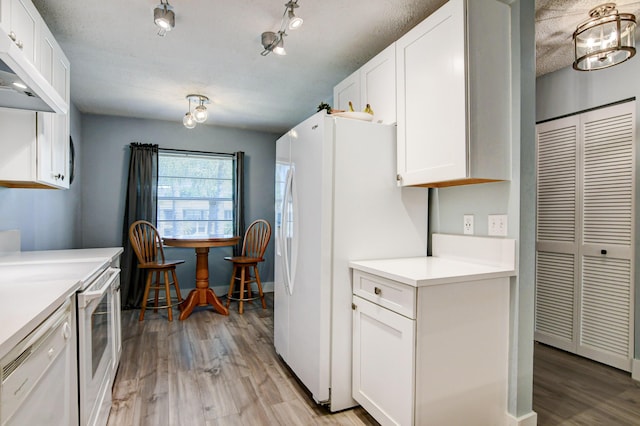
22	86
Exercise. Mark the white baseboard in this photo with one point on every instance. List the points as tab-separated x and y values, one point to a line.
635	369
530	419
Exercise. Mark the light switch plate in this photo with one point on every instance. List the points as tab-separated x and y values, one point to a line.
467	225
498	225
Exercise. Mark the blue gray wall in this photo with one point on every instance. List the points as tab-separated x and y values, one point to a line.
48	219
106	142
567	91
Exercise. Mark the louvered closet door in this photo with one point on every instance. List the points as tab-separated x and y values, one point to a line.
557	245
584	250
606	305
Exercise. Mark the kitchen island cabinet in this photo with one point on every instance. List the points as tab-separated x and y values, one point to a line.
431	335
454	96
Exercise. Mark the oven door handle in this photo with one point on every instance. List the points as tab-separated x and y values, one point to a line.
85	298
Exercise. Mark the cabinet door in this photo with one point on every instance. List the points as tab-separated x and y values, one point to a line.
383	363
47	54
5	14
18	146
24	21
378	85
431	99
347	90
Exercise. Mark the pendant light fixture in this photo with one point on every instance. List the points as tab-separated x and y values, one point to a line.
199	114
164	17
274	41
604	40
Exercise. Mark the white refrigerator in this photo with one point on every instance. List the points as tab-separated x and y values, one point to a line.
336	201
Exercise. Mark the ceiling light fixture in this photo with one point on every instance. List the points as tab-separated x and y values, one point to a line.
274	41
295	22
604	40
199	114
164	17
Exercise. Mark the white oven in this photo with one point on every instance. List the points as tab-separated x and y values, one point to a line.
96	339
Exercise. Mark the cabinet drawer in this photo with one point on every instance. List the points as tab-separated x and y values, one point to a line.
392	295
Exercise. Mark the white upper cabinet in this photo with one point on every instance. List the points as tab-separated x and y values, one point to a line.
378	85
20	19
34	153
454	96
34	148
347	90
374	84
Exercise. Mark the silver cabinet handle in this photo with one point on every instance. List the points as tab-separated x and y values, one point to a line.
12	36
19	44
377	290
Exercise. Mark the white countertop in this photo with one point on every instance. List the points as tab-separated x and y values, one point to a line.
426	271
59	256
34	284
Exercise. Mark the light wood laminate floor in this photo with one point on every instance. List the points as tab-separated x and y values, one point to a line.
570	390
216	370
211	370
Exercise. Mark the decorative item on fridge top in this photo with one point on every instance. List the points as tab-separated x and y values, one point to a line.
349	114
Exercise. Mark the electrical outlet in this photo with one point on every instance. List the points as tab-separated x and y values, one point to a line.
498	225
467	224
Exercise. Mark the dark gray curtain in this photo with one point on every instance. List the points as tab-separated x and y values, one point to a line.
141	204
238	200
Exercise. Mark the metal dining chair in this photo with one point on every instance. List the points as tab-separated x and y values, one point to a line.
147	245
255	242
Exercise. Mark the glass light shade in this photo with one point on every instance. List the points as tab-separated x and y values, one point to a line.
200	114
605	40
188	121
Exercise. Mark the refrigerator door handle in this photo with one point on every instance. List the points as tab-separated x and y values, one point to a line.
284	230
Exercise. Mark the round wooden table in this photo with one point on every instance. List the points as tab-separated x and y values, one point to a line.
202	295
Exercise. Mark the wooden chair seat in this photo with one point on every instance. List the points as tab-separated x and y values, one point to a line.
146	243
244	259
254	245
157	265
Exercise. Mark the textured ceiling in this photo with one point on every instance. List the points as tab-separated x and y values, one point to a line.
121	67
556	20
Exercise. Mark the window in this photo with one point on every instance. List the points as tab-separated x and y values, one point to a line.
195	194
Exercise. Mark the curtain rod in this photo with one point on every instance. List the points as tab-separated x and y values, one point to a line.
187	151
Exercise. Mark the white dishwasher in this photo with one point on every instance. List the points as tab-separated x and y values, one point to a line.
38	375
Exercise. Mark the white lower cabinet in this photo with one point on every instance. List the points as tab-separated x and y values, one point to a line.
433	354
379	336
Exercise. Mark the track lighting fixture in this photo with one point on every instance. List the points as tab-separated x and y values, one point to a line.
605	39
274	41
199	114
295	22
164	17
